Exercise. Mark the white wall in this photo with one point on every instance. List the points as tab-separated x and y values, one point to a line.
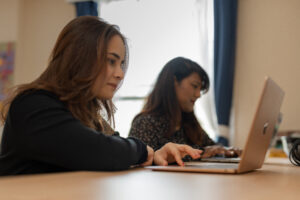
34	26
8	28
39	25
268	43
8	10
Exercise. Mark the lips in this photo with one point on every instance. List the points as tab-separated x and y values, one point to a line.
113	85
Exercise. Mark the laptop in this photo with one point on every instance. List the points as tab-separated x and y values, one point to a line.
221	159
257	143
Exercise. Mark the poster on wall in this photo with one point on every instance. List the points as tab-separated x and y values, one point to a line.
7	58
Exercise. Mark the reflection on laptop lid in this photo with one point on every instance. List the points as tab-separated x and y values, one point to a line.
258	141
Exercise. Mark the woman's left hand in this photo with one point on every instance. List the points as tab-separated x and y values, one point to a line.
172	152
232	152
215	150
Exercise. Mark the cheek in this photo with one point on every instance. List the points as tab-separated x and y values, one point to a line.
97	86
182	95
186	92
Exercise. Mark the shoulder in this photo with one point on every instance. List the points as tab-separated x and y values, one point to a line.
34	99
150	129
36	95
149	119
148	124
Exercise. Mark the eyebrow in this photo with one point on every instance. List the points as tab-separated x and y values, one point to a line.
115	55
197	82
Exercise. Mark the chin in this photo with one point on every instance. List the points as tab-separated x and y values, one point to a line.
188	110
105	97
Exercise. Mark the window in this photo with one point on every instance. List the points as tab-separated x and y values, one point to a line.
157	31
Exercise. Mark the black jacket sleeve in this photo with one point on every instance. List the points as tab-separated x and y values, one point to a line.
45	130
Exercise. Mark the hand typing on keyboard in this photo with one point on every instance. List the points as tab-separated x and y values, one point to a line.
217	150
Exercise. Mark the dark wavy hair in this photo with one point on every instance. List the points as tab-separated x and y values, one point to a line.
162	101
78	57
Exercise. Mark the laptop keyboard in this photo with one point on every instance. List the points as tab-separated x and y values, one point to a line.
211	165
221	159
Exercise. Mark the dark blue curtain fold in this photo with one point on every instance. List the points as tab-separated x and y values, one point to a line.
225	17
86	8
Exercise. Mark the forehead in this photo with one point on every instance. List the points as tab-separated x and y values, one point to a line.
116	45
193	77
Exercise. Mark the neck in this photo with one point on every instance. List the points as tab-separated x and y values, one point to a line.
178	123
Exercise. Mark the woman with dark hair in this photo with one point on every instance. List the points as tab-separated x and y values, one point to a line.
55	123
168	114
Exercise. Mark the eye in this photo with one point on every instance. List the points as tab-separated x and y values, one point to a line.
194	86
111	61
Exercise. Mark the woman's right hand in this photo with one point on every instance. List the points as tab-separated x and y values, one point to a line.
172	152
150	156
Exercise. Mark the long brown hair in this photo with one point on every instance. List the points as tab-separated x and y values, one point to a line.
162	101
78	57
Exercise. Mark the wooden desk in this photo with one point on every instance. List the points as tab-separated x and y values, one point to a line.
270	182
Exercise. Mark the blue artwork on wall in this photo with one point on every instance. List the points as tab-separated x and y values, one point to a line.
7	58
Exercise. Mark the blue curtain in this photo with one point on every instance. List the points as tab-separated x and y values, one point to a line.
86	8
225	17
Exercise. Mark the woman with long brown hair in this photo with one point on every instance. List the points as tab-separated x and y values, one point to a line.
55	123
168	114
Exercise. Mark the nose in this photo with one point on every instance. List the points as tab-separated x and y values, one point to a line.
119	73
198	93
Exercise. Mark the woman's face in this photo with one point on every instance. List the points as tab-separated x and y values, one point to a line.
188	91
106	85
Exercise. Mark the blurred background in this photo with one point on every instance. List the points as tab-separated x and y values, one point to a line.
266	41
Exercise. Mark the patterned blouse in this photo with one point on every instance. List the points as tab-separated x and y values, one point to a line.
151	130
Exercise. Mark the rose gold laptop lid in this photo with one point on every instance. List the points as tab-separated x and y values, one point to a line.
262	127
258	141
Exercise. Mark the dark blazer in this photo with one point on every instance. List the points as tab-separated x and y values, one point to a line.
41	135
